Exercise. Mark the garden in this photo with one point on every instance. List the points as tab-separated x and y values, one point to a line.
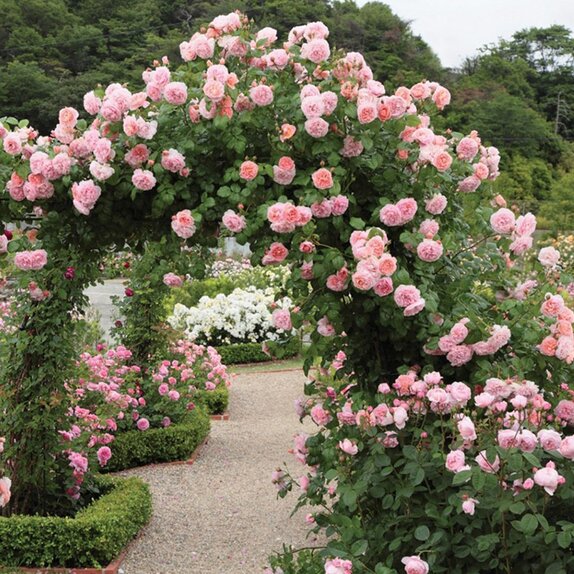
435	328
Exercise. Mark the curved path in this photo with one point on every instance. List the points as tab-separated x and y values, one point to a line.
221	514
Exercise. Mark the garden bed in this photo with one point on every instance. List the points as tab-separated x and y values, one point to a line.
94	537
241	353
156	445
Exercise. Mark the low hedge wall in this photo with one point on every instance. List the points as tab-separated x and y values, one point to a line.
216	401
175	442
252	352
93	538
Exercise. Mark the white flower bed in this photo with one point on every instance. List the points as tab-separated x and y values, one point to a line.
244	316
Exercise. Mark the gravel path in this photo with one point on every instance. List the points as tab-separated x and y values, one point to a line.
221	514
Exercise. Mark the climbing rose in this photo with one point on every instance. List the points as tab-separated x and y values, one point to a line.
85	194
233	221
31	260
322	179
549	257
281	319
414	565
182	223
143	179
248	170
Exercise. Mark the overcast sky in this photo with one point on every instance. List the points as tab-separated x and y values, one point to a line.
454	29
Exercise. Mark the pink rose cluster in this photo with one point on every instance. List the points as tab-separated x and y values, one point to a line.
284	172
286	217
315	47
400	213
560	342
485	168
85	194
433	149
458	353
31	260
314	106
520	229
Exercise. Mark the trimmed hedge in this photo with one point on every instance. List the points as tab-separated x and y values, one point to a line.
216	401
252	353
175	442
93	538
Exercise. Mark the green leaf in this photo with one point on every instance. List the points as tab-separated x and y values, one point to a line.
359	547
528	524
517	508
461	477
422	533
357	223
564	539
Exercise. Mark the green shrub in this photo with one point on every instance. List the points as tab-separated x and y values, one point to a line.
94	537
253	353
176	442
216	401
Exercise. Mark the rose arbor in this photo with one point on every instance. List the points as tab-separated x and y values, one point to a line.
298	150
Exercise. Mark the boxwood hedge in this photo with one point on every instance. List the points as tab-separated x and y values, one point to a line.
93	538
216	401
175	442
252	352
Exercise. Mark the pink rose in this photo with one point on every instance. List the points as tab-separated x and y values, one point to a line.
104	454
262	95
320	416
338	566
31	260
172	280
175	93
183	224
455	461
383	287
85	194
466	429
429	250
322	179
339	204
248	170
441	97
172	160
436	204
442	161
281	319
503	221
567	447
142	424
408	208
143	179
468	506
460	393
390	215
414	565
548	478
406	295
348	447
549	439
317	127
233	221
316	50
549	257
485	465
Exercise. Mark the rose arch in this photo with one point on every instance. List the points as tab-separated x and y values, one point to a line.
399	249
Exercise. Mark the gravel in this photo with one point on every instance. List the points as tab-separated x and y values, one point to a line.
221	514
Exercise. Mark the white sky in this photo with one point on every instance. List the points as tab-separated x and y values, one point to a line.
455	29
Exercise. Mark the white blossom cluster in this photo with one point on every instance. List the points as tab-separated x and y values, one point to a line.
243	316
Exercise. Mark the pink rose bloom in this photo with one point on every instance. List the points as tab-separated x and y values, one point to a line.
142	424
508	438
143	179
549	439
338	566
325	328
406	295
466	429
503	221
313	107
214	90
383	287
183	224
322	178
429	228
408	208
455	461
104	455
306	270
172	160
469	184
68	117
387	265
441	97
316	50
363	281
436	204
414	565
548	479
172	280
552	305
348	447
262	95
281	319
351	147
85	194
276	253
339	204
306	247
172	395
248	170
527	441
468	506
459	355
137	156
31	260
442	161
467	148
163	389
320	416
567	447
521	245
175	93
322	210
460	393
233	221
317	127
549	257
92	103
526	224
485	465
12	144
390	215
429	250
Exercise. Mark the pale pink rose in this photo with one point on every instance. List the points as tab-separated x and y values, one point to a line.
565	411
338	566
414	308
12	144
92	103
104	454
468	506
172	280
233	221
467	148
351	147
313	106
436	204
325	328
214	90
442	161
317	127
390	215
366	113
137	156
248	170
521	244
548	478
281	319
322	210
339	204
306	270
348	447
277	59
266	36
383	287
469	184
287	132
320	416
526	224
441	97
459	331
31	260
508	438
460	393
429	228
567	447
387	265
466	429
322	179
527	440
146	130
5	493
68	117
103	151
408	208
172	160
406	295
276	253
85	194
316	50
330	100
183	224
552	305
415	565
262	95
565	349
549	439
549	257
306	247
455	461
459	355
503	221
429	250
142	424
363	281
486	465
143	179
